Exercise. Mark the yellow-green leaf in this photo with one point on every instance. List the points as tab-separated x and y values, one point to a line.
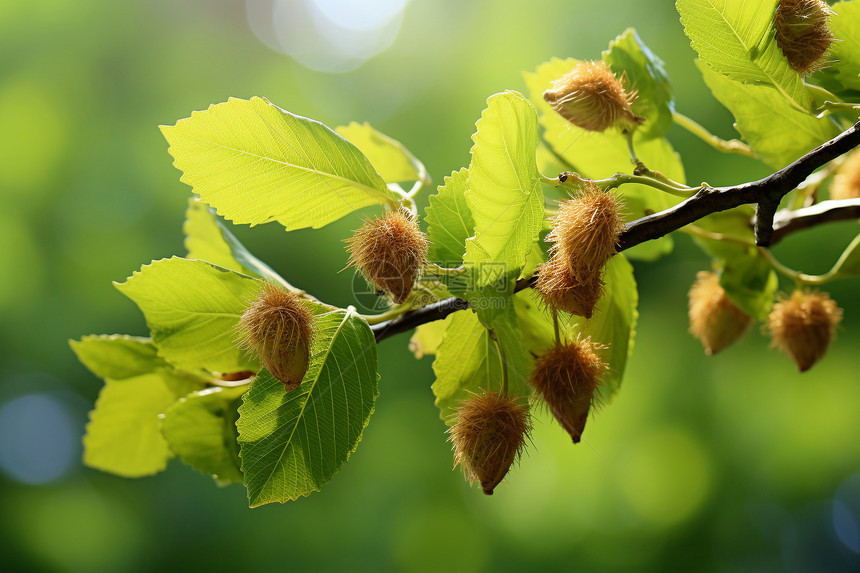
257	163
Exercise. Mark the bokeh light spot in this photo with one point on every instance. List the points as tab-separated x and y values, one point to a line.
666	477
846	527
326	35
39	440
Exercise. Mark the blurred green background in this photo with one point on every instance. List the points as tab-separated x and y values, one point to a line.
733	463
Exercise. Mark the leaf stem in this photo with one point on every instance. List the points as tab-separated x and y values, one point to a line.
628	136
726	146
435	269
705	234
798	277
387	315
652	179
502	359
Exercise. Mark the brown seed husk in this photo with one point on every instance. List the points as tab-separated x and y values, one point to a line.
566	377
278	327
802	33
846	183
390	252
803	325
585	230
561	291
590	97
488	436
714	319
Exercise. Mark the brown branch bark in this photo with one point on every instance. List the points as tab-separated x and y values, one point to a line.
770	225
787	221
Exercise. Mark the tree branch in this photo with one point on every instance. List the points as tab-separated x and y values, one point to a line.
770	226
787	221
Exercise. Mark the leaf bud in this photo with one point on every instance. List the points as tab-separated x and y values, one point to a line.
803	325
590	97
802	33
585	230
561	291
566	377
390	252
278	328
714	319
488	436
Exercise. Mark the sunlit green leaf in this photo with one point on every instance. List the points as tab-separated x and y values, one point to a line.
124	436
449	220
775	130
750	282
207	239
427	337
737	39
117	356
192	308
844	54
504	191
390	157
468	360
292	443
257	163
201	429
643	72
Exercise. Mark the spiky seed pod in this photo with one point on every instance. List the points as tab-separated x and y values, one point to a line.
561	291
846	183
585	230
278	327
591	97
488	436
390	252
802	33
566	377
714	319
803	325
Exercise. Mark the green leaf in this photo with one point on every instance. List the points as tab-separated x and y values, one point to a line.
614	321
201	429
734	224
737	39
449	221
207	239
468	360
504	191
750	282
776	131
601	155
845	53
848	264
204	240
257	163
292	443
427	337
192	308
390	158
117	356
644	72
124	436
